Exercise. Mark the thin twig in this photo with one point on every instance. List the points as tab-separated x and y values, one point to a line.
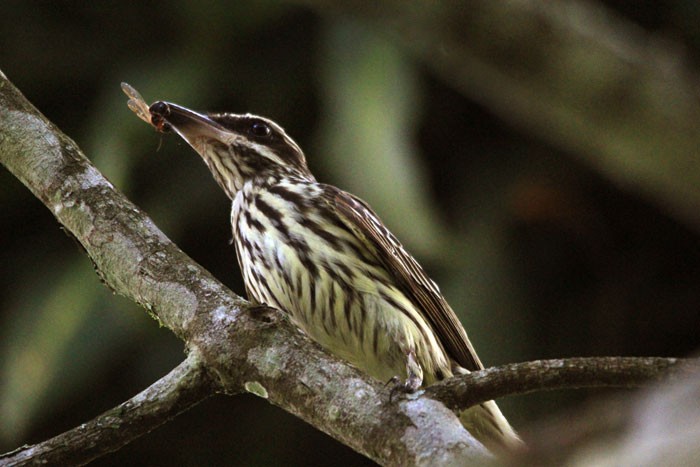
546	375
183	387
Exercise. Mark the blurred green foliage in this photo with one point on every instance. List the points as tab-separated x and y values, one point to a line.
541	256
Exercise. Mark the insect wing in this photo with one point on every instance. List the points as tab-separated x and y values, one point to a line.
136	103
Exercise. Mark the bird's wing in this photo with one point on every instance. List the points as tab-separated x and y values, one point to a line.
419	288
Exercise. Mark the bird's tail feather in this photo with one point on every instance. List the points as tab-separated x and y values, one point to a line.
486	422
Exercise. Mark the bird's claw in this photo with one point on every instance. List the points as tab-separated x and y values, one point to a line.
409	386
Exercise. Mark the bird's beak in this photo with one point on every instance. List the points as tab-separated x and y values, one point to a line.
195	128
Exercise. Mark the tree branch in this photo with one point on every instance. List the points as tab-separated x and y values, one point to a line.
242	347
183	387
656	426
463	391
571	72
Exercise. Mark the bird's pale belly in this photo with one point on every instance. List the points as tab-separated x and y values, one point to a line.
355	312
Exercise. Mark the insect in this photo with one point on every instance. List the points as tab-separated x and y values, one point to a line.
141	109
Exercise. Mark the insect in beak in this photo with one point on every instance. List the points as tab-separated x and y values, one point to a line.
141	109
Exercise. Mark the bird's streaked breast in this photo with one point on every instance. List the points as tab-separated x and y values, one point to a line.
296	254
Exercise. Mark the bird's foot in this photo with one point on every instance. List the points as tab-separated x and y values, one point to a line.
409	386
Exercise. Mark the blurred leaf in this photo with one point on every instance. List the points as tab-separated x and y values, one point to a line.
372	101
48	350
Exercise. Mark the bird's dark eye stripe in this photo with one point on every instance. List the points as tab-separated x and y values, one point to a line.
260	129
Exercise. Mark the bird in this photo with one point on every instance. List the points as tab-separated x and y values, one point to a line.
325	258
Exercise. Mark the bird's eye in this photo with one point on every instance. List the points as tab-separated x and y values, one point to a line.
260	129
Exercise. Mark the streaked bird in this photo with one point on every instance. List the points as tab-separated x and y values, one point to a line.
325	258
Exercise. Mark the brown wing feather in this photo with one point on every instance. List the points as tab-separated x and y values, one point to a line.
421	290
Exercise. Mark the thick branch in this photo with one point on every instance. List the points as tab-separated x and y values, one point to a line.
171	395
570	72
657	426
242	347
464	391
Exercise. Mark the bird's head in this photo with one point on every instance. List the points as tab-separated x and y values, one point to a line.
235	147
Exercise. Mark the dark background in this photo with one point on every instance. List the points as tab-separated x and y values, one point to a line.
540	254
